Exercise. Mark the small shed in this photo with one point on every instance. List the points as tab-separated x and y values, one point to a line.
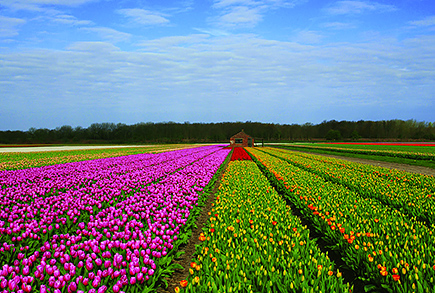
241	139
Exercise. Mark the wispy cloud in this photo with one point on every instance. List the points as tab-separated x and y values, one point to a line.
38	5
144	17
69	20
428	21
242	15
109	34
170	42
92	47
338	25
213	32
201	74
10	26
308	37
358	7
247	13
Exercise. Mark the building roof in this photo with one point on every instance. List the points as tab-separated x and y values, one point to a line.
241	134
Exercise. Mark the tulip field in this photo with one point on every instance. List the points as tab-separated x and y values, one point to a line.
101	225
255	244
416	151
116	222
382	227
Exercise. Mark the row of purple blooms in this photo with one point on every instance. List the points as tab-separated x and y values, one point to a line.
117	245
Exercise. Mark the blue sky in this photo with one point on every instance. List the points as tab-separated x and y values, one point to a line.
78	62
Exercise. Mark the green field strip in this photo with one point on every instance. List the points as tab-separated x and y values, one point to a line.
391	252
410	200
253	243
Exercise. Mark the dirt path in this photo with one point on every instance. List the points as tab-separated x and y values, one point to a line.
389	165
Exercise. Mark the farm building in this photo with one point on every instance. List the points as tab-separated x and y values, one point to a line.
241	139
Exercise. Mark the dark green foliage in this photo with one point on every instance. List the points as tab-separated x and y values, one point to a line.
172	132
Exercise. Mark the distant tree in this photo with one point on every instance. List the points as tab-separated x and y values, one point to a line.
333	135
355	135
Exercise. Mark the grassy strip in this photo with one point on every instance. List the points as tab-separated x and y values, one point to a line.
398	160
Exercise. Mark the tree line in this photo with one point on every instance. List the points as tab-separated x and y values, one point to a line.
172	132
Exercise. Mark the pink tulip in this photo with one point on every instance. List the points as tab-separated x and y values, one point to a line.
115	288
98	262
89	266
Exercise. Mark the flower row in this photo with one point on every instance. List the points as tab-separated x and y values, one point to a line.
239	153
385	153
378	242
123	244
253	243
401	194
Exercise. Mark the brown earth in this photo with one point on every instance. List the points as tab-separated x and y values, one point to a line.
189	248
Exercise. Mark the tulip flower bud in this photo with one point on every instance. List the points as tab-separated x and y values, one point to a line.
72	287
116	288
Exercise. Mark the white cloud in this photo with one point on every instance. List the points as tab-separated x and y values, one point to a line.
261	80
37	5
270	3
247	13
358	7
9	26
92	47
338	25
145	17
213	32
225	3
109	34
169	42
308	37
69	20
242	15
428	21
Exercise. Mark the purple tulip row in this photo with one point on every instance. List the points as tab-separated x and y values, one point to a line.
39	200
122	241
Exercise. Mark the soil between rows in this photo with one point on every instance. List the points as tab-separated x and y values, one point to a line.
189	248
